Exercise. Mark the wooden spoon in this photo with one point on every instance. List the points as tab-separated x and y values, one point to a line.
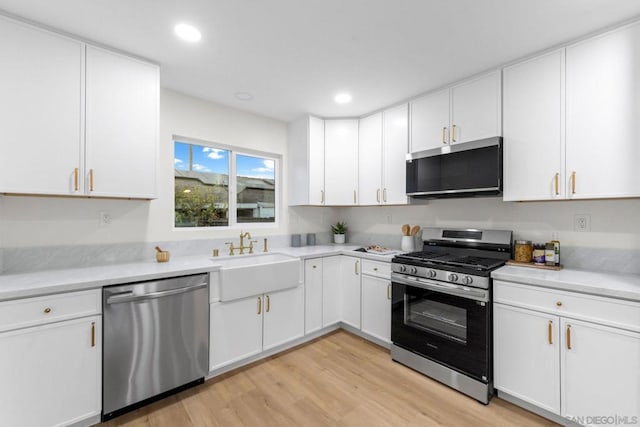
405	229
415	230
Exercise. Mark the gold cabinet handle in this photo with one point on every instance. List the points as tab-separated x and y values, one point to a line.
259	305
444	135
378	195
354	197
559	303
375	268
384	195
90	179
568	337
76	179
322	197
453	133
557	184
356	267
389	291
573	182
47	310
93	334
315	266
550	332
268	303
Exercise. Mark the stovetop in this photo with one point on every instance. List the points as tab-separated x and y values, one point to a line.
444	259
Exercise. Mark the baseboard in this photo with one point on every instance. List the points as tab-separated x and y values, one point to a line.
366	336
536	410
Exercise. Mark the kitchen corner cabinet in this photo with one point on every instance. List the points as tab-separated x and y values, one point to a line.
533	129
571	354
603	153
121	125
305	141
341	162
247	327
55	91
467	111
383	144
50	360
350	291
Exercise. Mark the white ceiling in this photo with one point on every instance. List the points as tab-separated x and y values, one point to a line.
293	56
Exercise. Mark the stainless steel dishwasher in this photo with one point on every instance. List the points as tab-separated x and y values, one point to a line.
156	340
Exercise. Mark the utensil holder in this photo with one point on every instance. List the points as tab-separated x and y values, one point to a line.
408	244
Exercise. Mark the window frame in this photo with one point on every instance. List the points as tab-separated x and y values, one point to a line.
233	185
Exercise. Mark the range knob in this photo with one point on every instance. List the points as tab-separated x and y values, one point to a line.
432	273
453	277
468	280
414	270
403	268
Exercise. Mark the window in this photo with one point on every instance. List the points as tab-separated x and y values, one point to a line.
217	186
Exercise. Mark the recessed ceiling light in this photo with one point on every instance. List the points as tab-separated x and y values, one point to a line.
187	33
342	98
244	96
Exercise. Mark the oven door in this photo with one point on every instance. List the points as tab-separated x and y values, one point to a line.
449	324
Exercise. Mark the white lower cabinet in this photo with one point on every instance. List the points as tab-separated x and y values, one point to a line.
51	371
350	291
376	307
577	368
331	290
246	327
312	295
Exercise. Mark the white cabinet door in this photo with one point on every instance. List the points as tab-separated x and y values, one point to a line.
476	109
430	121
341	162
600	370
526	355
370	160
283	317
236	330
533	129
121	125
376	307
602	115
350	291
316	161
41	110
312	295
52	374
394	155
331	292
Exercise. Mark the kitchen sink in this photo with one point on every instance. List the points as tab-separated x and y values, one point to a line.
248	275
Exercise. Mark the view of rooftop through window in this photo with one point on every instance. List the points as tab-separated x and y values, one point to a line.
203	180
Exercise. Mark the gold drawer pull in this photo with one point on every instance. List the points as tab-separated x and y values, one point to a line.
573	182
76	184
259	305
559	303
557	179
375	268
90	179
444	135
389	291
378	195
47	310
453	133
268	303
550	332
93	334
568	337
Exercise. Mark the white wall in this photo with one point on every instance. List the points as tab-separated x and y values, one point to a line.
614	223
48	221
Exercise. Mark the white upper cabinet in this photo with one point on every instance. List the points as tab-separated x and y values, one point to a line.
476	109
122	125
533	129
341	162
430	121
41	108
603	89
370	160
394	155
306	161
76	120
465	112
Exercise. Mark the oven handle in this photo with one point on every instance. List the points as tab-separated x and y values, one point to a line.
445	288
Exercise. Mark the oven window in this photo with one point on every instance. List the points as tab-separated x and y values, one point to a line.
437	318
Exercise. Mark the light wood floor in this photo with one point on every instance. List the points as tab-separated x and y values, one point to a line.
339	379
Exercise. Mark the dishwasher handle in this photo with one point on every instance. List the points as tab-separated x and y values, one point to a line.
129	296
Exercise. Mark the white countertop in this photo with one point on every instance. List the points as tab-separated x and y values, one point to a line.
625	286
55	281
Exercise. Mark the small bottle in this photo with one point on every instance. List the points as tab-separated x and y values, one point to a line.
556	247
550	254
538	254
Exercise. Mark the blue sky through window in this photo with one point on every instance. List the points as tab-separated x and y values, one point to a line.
255	167
205	159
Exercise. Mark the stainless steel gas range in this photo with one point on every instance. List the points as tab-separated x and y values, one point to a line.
441	319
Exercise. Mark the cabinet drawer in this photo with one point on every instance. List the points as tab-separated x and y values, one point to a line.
51	308
376	268
603	310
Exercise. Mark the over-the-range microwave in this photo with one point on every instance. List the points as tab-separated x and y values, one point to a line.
459	170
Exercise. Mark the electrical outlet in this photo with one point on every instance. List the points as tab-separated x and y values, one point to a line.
105	219
582	222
